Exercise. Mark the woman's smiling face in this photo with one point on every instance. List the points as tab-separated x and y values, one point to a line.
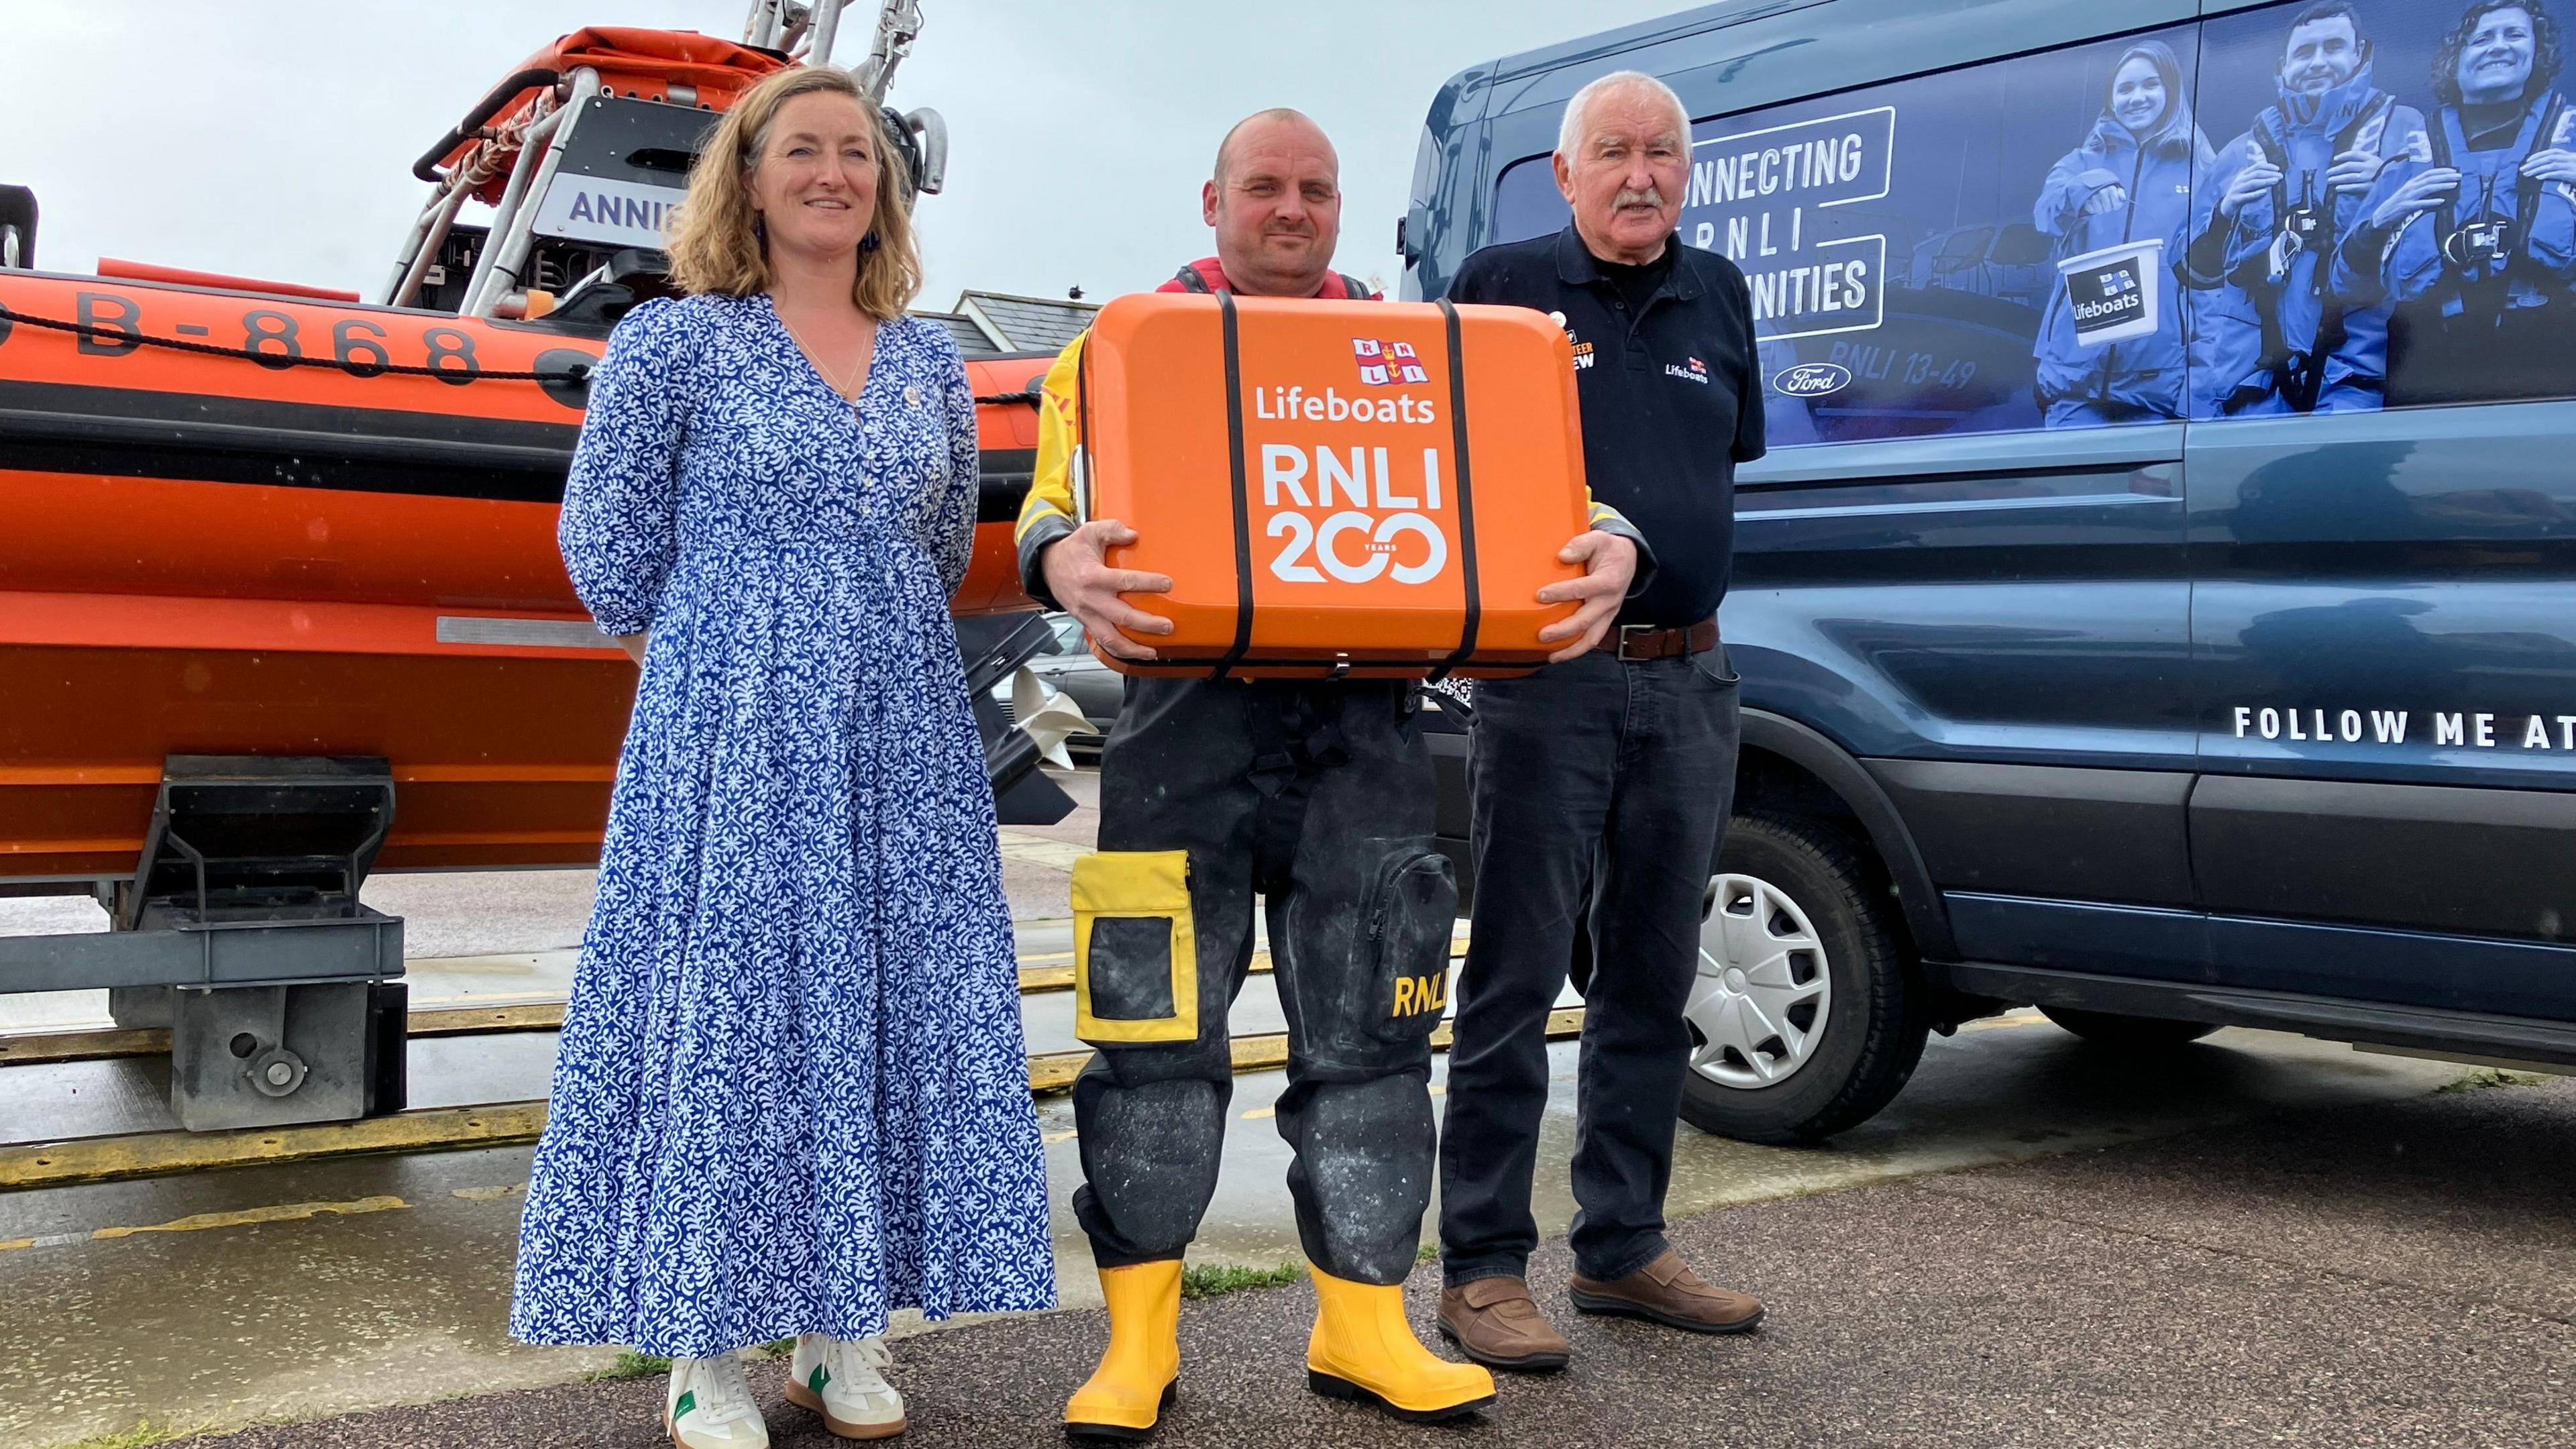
816	181
2138	94
2495	65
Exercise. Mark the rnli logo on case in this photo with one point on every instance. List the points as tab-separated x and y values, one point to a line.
1811	379
1387	364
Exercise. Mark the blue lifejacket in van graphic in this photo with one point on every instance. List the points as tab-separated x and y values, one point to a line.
2503	242
2474	280
2144	375
2294	342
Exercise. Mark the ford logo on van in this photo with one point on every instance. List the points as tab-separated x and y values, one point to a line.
1811	379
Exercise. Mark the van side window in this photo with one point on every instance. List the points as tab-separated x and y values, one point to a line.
2389	219
1986	249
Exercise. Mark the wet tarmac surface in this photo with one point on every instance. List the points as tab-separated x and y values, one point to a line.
301	1291
2383	1274
2257	1239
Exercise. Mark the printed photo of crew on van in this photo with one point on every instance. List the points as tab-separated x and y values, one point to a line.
2112	347
2059	239
2397	227
2277	336
2473	237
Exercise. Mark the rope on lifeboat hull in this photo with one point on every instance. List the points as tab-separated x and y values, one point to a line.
131	337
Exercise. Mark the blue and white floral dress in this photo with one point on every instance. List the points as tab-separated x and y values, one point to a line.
792	1094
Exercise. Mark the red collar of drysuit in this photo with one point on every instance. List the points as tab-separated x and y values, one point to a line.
1336	288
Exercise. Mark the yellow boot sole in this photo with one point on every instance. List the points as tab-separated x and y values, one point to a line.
1333	1387
1081	1432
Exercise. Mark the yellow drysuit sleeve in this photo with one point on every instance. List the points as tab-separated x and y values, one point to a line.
1048	513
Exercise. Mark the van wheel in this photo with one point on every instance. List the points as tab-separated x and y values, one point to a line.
2131	1033
1805	1019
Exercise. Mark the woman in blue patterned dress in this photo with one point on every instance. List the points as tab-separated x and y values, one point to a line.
792	1094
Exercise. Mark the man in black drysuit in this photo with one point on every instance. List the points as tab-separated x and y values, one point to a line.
1318	796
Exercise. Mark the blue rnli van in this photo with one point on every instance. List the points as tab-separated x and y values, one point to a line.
2159	603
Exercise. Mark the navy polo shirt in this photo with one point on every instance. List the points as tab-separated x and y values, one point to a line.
1672	400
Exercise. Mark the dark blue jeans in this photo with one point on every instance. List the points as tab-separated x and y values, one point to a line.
1602	789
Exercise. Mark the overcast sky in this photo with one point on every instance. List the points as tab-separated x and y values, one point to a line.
274	138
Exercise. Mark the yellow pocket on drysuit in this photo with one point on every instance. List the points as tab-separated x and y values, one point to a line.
1135	948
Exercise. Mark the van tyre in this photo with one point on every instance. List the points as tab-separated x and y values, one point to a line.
1874	1020
2128	1033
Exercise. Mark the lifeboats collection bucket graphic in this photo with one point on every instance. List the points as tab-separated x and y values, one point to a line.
2116	293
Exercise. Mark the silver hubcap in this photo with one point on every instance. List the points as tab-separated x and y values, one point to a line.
1763	993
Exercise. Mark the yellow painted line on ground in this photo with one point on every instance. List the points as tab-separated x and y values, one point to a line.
201	1222
81	1046
445	1129
157	1154
283	1213
54	1048
51	1048
1039	974
1035	980
476	1020
1053	1072
1038	850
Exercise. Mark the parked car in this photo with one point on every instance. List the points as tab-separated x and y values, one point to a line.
2195	720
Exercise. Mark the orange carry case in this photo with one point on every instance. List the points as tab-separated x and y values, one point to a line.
1357	489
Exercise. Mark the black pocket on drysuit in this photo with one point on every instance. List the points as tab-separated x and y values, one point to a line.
1412	912
1135	948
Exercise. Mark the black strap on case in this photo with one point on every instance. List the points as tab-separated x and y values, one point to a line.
1242	499
1465	488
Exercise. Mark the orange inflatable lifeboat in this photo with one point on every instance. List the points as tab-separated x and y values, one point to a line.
249	518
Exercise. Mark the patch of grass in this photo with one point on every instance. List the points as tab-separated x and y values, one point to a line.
1428	1252
141	1436
632	1365
1205	1280
2485	1077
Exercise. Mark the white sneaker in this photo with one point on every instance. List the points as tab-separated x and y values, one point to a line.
845	1384
710	1406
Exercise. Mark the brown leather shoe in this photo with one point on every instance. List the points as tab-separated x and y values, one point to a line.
1495	1322
1666	1291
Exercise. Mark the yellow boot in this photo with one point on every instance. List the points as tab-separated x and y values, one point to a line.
1137	1375
1363	1350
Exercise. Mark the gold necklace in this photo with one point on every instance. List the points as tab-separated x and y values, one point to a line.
814	360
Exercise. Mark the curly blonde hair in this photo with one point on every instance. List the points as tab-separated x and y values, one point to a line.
716	242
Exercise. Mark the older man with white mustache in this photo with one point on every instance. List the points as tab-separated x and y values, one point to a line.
1602	783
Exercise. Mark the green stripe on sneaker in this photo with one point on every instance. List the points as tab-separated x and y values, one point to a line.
688	1401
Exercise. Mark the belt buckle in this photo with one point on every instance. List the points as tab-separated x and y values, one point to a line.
1625	630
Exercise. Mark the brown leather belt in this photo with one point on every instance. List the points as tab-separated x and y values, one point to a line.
1639	641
